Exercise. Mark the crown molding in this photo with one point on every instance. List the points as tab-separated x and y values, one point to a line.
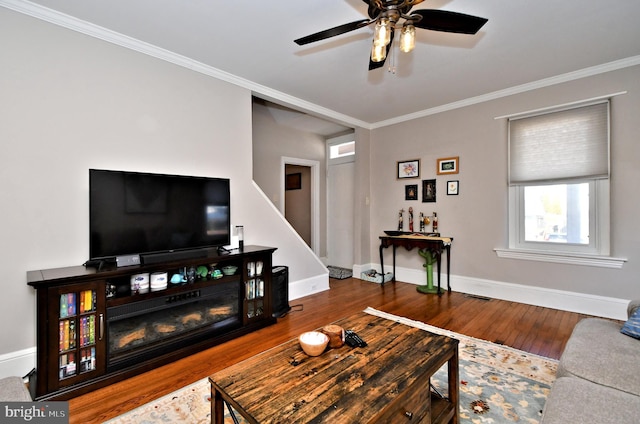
558	79
87	28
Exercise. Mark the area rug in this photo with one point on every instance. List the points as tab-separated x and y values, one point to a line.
497	384
339	273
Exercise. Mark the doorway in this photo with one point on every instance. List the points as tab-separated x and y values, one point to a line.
307	197
340	201
297	199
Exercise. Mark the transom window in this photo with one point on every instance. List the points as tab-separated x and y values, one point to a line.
341	149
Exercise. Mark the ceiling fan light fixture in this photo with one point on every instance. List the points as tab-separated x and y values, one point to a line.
388	15
407	38
382	32
378	52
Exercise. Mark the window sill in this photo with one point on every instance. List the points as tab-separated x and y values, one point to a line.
561	258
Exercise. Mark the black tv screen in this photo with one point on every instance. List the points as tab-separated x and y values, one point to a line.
140	213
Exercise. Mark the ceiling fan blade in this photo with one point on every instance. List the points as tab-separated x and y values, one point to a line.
442	20
332	32
375	65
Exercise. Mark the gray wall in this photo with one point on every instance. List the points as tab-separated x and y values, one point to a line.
271	142
363	243
71	102
477	217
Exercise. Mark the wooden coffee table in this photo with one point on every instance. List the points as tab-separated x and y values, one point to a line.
384	382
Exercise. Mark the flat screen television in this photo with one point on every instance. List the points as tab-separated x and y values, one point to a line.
140	213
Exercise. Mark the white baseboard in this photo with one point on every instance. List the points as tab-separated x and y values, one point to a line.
601	306
17	363
607	307
308	286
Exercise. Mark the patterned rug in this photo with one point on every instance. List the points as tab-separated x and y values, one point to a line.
339	273
498	384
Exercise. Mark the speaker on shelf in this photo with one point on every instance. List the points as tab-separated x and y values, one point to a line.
280	290
177	255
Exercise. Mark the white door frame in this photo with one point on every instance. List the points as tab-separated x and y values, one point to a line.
315	195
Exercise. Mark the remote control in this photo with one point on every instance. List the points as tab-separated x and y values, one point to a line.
353	340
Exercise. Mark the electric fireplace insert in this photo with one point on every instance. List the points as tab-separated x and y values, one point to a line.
141	330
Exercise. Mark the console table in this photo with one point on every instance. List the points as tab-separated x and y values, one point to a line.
433	244
385	381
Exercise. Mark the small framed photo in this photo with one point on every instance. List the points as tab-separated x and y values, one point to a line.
293	181
452	187
428	191
448	165
411	192
409	169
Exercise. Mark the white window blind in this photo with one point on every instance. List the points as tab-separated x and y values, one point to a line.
567	144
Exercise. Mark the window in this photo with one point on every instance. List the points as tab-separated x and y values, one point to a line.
559	181
341	149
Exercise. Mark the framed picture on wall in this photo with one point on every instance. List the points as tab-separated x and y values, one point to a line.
409	169
448	165
411	192
452	188
428	191
293	181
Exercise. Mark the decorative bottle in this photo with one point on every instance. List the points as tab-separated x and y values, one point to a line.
435	222
411	219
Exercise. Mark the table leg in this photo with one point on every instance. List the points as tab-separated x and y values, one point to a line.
453	385
438	261
217	407
448	248
382	263
393	278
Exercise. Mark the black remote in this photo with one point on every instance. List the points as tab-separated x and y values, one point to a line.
353	340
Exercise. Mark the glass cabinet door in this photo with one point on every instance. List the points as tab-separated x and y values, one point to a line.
254	289
78	334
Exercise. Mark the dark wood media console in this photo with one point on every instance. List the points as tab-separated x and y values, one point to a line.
96	327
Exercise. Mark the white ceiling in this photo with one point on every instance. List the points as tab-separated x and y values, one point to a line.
525	44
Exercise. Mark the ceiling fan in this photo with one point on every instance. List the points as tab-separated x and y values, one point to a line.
386	14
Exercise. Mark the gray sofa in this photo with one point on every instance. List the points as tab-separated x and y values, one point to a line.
598	378
13	389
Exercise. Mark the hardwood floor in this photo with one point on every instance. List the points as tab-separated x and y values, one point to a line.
530	328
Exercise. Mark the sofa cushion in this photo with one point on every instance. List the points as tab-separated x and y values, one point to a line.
598	352
632	326
573	400
13	389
